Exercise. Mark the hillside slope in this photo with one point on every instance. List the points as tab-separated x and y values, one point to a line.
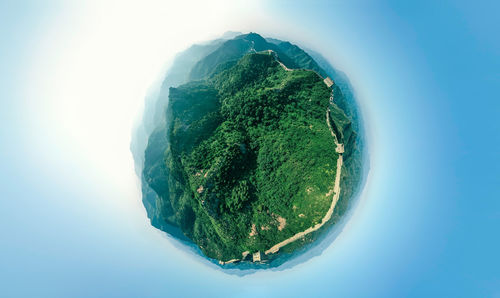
245	159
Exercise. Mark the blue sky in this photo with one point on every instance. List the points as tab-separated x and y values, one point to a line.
426	75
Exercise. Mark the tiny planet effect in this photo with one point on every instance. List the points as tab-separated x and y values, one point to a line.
251	152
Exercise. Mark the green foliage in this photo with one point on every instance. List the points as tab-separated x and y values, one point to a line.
249	146
232	50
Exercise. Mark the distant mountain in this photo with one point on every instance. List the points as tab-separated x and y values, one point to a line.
234	49
348	102
156	103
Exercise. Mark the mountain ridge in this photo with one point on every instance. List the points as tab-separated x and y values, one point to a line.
165	199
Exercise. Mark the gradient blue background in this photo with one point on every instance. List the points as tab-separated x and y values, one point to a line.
427	76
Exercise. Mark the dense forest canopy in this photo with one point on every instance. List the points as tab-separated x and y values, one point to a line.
245	158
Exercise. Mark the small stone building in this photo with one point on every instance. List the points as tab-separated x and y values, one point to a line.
256	257
328	82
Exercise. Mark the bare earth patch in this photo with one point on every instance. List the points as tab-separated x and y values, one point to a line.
253	232
199	173
282	222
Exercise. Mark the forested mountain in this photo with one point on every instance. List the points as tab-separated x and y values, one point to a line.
243	157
